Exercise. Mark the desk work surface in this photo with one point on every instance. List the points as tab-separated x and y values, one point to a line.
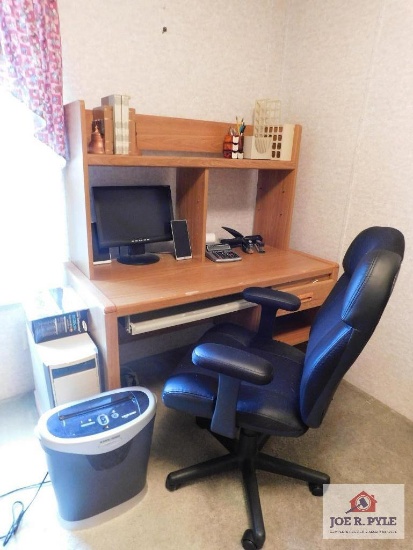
135	289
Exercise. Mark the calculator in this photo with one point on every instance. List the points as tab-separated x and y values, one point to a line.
221	253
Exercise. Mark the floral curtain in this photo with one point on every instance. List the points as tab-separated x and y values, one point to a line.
32	64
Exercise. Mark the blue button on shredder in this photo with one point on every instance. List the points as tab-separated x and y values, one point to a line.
97	452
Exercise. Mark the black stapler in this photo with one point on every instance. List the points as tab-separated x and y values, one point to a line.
247	243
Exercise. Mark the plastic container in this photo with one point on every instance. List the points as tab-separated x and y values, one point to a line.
97	452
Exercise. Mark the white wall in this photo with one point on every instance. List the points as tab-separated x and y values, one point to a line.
213	61
349	81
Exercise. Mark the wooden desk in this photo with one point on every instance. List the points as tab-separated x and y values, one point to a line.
193	150
120	290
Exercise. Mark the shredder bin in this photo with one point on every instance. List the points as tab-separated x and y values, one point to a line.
97	452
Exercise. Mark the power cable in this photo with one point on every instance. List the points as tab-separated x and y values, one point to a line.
18	505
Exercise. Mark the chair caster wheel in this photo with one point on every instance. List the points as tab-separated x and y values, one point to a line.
316	489
170	485
249	540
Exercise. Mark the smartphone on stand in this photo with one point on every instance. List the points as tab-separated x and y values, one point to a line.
182	243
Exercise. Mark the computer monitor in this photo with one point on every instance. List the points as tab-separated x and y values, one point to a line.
133	216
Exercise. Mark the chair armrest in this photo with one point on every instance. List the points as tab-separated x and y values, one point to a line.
233	365
233	362
270	301
269	298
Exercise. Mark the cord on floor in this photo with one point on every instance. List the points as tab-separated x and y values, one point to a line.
18	515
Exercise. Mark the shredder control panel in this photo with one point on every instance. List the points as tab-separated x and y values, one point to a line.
98	415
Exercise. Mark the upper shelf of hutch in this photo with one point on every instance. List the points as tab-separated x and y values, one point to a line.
173	142
188	162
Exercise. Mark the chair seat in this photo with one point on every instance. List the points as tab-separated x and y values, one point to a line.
272	409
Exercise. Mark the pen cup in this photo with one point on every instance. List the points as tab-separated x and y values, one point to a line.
233	147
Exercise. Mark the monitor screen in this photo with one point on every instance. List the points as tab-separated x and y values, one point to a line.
133	216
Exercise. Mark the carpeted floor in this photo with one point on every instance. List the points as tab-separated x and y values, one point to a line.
360	441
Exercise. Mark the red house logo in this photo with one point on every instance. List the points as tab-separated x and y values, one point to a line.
363	502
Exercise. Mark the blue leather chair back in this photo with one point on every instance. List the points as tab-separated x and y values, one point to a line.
349	316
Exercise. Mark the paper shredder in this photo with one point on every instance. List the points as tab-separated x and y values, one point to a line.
97	452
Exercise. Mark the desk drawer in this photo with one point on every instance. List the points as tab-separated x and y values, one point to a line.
312	293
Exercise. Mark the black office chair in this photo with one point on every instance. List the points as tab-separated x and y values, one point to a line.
246	387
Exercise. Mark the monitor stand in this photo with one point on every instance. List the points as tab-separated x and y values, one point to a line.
137	256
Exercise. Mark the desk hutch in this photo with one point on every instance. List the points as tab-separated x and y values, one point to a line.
194	148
